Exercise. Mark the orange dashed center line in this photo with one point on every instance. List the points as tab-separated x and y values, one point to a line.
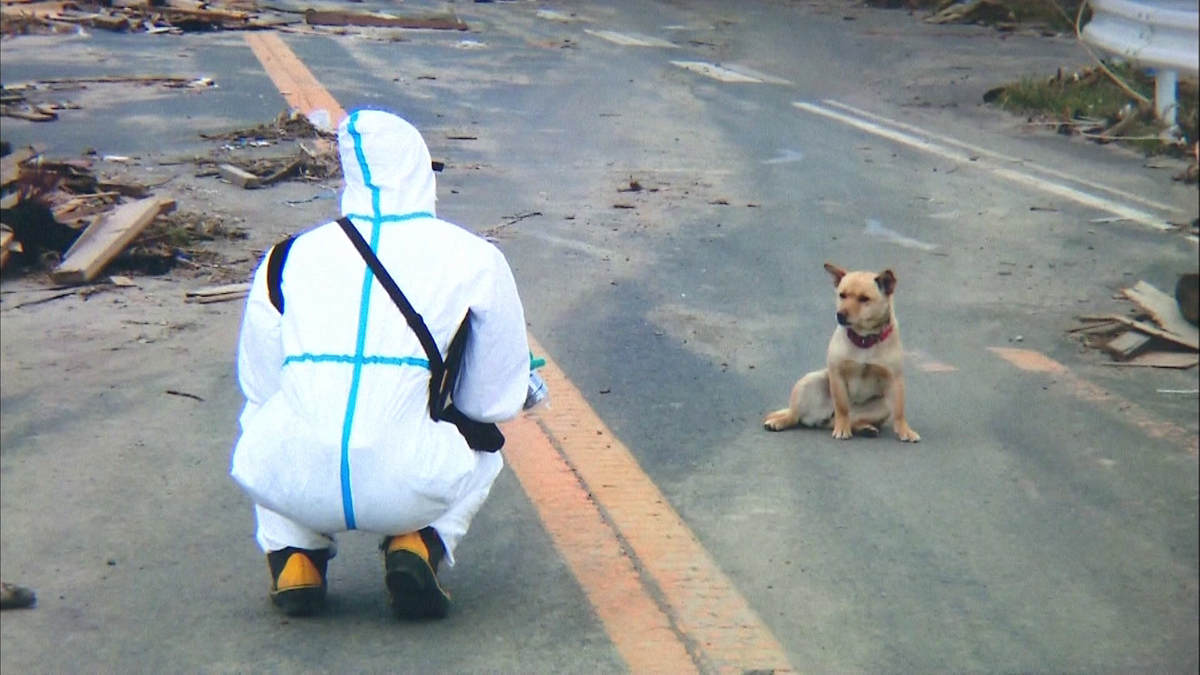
662	599
292	78
723	632
640	630
1152	426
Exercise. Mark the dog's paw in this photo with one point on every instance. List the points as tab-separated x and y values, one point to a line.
779	420
907	435
842	432
867	430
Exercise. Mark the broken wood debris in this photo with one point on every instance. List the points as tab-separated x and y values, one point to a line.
180	16
288	125
105	238
57	214
1158	335
315	17
218	293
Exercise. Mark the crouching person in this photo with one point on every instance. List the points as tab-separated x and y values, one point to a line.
362	413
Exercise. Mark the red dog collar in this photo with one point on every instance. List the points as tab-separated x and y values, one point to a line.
867	341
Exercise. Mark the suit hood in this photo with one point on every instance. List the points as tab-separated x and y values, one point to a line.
386	165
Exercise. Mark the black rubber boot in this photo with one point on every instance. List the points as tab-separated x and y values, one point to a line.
410	562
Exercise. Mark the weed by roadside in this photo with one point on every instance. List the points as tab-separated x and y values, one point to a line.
1091	104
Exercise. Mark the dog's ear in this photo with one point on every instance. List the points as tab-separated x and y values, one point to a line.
886	281
836	271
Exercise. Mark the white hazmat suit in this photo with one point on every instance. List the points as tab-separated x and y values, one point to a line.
336	433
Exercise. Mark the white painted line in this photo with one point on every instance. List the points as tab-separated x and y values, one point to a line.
785	156
876	229
716	72
758	75
1129	196
1020	178
630	39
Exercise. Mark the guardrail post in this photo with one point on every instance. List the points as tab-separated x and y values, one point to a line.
1166	83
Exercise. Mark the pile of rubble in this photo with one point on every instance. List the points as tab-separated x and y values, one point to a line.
179	16
40	101
1161	332
60	216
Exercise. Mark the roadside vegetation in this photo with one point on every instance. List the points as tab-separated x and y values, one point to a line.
1111	102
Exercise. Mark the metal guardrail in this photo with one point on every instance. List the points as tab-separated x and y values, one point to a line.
1163	35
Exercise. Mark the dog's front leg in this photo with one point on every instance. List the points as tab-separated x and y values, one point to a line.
895	397
841	403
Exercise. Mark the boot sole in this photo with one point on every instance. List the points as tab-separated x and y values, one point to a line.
304	601
413	588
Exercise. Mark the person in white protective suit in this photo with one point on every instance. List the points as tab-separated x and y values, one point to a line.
337	432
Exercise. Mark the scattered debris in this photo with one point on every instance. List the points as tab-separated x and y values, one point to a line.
1165	340
58	295
239	176
106	237
184	394
218	293
13	596
1165	311
634	186
36	101
339	17
289	125
1111	102
988	12
131	16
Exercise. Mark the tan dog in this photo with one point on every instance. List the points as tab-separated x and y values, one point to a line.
862	384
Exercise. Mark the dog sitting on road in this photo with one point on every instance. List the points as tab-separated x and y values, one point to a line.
862	384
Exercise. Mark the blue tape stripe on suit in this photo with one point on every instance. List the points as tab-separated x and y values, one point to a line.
356	377
366	360
390	218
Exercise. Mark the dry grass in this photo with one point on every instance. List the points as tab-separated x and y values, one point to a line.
1092	104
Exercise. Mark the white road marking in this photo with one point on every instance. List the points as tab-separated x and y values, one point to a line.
876	229
1019	177
1129	196
630	39
785	156
717	72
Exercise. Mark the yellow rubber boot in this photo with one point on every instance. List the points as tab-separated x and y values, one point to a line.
298	583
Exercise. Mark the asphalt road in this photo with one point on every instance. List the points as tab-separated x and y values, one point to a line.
1046	523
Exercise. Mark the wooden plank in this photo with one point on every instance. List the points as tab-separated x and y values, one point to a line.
1155	331
1126	345
1163	309
10	164
239	177
1178	360
342	18
1105	326
224	297
218	290
105	238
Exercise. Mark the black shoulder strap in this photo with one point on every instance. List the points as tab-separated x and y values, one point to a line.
437	366
275	272
480	436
